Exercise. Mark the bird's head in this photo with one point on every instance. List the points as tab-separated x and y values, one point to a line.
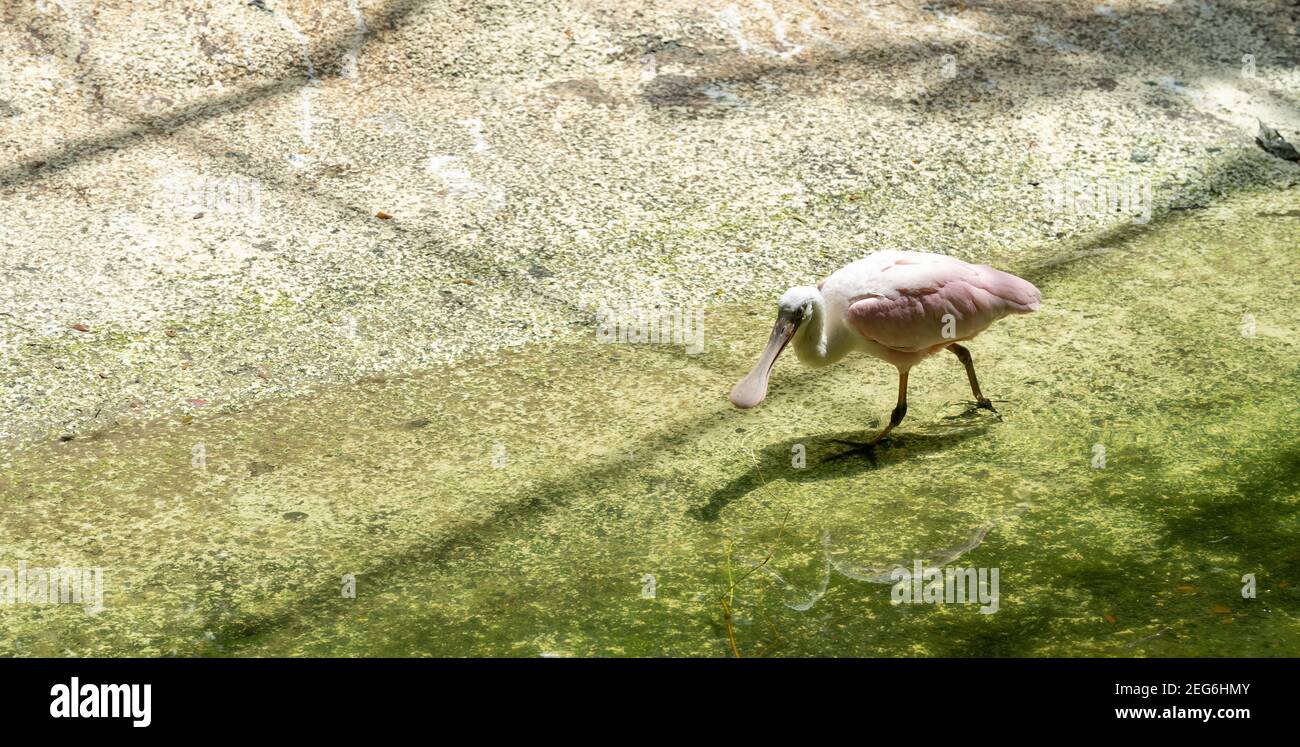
793	309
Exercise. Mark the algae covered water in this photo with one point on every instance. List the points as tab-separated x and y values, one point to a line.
582	499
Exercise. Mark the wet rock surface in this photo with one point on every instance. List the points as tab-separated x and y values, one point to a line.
579	498
290	295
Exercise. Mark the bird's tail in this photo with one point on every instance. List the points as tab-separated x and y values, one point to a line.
1020	294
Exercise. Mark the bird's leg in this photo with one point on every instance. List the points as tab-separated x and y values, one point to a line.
900	409
963	355
895	417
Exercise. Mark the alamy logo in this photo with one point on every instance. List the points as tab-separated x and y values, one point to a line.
681	326
188	194
949	586
1100	198
25	585
102	701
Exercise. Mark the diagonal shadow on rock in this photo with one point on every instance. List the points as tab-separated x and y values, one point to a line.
137	128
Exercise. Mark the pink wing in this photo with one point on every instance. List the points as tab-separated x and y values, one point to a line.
913	297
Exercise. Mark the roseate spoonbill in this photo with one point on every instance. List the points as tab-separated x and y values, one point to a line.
898	306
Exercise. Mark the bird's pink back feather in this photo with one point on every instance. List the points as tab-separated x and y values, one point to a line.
908	294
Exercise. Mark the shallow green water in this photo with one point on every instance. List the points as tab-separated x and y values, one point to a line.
626	460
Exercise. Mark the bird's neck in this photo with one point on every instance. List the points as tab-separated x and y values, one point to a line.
819	341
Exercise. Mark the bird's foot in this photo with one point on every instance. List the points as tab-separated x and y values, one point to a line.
973	405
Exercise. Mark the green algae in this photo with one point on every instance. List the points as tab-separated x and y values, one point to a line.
593	499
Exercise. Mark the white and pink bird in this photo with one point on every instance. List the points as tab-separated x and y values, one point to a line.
898	306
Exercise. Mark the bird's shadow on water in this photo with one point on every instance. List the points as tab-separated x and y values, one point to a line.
827	457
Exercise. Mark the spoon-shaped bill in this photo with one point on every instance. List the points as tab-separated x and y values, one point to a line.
752	389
